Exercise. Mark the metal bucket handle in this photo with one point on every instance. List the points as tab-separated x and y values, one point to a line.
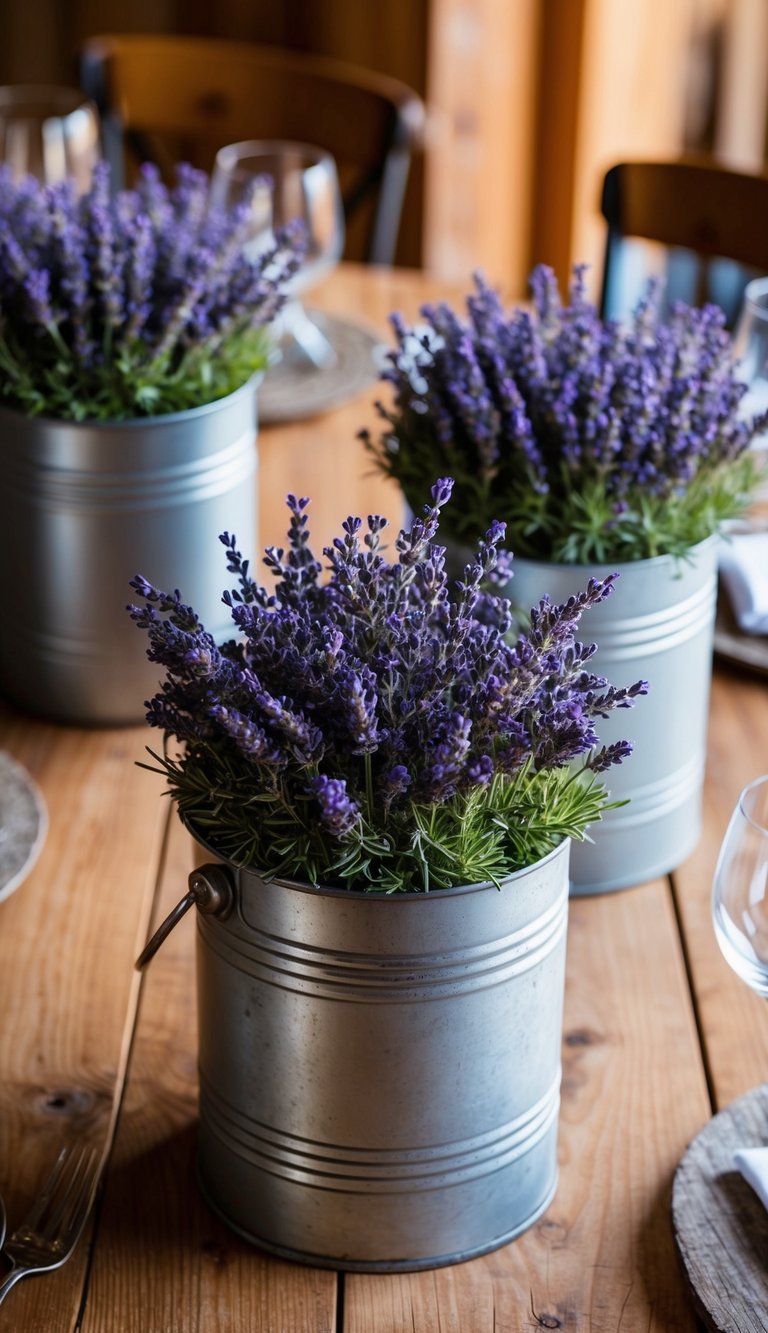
210	890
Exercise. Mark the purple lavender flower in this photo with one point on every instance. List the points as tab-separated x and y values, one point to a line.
67	242
139	269
106	259
352	712
337	812
139	304
594	442
37	288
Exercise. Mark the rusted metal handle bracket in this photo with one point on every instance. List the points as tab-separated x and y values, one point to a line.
210	890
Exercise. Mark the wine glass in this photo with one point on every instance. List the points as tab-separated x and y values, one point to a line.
48	132
304	185
740	888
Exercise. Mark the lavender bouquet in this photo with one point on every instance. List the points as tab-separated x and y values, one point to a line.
136	305
596	442
378	730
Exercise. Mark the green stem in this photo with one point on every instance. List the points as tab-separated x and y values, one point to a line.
368	766
59	342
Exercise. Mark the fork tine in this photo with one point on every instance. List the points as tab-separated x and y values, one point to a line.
74	1184
48	1236
32	1220
81	1204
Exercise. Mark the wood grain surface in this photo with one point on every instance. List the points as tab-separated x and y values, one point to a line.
67	992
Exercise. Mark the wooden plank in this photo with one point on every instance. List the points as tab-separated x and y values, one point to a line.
734	1020
558	125
599	61
67	990
163	1260
626	48
740	139
602	1258
482	77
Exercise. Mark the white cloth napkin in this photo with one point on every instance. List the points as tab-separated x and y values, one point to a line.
753	1165
744	571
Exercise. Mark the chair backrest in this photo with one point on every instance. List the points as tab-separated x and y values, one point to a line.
167	99
706	209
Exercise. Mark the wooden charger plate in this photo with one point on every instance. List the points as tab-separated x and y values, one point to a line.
291	391
720	1224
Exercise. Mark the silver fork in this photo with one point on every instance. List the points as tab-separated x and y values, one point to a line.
50	1232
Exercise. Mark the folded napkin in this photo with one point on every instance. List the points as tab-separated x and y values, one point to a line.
744	572
753	1165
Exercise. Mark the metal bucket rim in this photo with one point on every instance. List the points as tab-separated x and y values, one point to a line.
620	565
358	895
131	423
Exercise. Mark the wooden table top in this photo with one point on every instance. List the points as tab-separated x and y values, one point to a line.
658	1033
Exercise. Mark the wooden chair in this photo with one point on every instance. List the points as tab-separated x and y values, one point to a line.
703	208
168	99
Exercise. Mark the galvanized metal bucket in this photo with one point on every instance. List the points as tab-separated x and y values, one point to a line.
379	1076
658	624
86	506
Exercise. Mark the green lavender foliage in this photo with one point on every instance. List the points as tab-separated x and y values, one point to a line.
480	836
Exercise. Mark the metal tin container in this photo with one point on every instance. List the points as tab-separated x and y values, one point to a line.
658	624
86	506
380	1076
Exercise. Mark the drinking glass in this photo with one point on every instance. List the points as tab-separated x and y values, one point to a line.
304	185
51	133
740	888
750	347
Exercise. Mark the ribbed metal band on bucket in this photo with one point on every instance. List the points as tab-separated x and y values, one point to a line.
335	974
192	481
669	793
66	655
658	625
332	1166
379	1076
641	638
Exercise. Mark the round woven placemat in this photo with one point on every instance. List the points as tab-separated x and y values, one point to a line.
23	824
720	1224
293	389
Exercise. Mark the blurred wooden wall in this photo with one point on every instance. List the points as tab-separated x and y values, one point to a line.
530	101
639	79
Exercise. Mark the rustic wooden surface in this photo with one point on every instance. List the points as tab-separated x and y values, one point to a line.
67	992
733	1020
721	1226
652	1019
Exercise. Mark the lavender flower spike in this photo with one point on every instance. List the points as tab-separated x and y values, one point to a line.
595	442
148	300
376	729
